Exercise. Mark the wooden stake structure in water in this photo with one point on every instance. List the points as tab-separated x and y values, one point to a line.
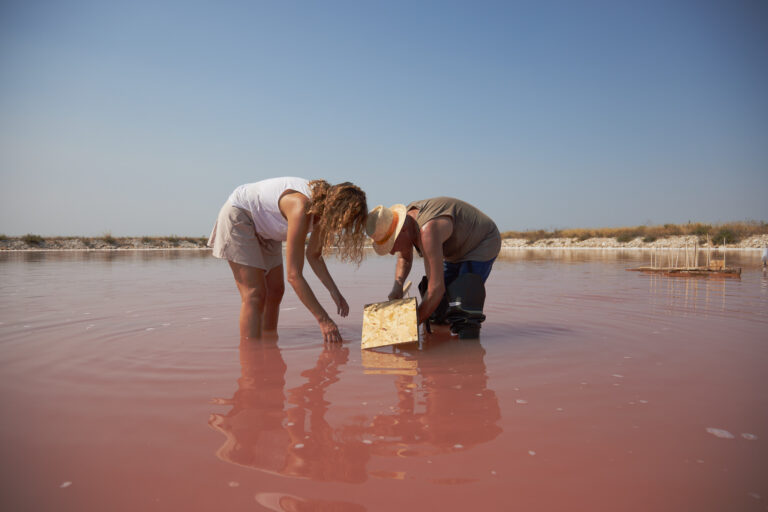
690	262
723	252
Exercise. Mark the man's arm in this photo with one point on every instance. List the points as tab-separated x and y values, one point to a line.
402	269
433	234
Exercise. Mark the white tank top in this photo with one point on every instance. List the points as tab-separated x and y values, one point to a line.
261	198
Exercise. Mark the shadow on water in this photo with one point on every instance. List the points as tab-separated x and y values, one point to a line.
440	404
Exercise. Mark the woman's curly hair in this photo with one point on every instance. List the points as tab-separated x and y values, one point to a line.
340	212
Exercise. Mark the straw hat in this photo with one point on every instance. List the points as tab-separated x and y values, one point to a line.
383	225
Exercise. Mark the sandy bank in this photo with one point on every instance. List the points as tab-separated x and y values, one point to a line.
177	243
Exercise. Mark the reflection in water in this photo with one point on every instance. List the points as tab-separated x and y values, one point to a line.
563	255
747	259
444	407
288	503
764	282
683	296
297	441
145	255
441	404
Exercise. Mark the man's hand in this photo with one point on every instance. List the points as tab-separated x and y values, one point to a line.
397	291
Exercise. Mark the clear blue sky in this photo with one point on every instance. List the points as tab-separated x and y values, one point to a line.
140	117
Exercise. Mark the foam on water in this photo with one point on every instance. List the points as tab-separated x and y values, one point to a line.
718	432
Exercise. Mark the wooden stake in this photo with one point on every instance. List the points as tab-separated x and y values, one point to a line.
696	264
723	252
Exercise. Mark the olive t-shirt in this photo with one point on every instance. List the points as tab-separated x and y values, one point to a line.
475	236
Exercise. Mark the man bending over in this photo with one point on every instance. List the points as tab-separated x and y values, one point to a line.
455	238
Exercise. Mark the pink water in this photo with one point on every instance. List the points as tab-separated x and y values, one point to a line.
124	387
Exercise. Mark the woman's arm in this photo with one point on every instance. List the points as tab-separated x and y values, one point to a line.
316	261
293	207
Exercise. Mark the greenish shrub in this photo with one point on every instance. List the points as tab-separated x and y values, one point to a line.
649	238
725	235
31	239
625	237
108	238
701	229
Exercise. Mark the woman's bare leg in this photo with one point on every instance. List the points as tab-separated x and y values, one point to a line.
275	289
251	284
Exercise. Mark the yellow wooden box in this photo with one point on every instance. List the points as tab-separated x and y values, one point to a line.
390	323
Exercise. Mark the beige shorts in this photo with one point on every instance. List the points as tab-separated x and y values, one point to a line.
234	238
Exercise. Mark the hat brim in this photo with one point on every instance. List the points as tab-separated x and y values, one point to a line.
386	247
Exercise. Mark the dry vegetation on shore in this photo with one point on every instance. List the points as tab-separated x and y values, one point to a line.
732	234
104	242
728	233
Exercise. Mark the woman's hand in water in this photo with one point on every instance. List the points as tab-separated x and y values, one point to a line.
330	331
341	304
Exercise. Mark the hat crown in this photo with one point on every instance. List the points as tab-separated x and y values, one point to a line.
379	222
383	225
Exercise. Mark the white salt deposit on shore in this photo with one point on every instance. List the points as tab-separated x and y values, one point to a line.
753	242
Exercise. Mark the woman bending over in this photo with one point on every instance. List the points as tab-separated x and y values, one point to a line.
254	222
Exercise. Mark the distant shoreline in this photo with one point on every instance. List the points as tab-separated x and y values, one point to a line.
729	235
103	243
503	248
84	244
672	242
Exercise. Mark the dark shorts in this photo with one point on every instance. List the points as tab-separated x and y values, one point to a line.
453	270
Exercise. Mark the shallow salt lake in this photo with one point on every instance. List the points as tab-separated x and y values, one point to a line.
125	387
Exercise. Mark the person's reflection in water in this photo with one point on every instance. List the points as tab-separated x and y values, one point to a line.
442	404
295	441
451	409
255	426
325	455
